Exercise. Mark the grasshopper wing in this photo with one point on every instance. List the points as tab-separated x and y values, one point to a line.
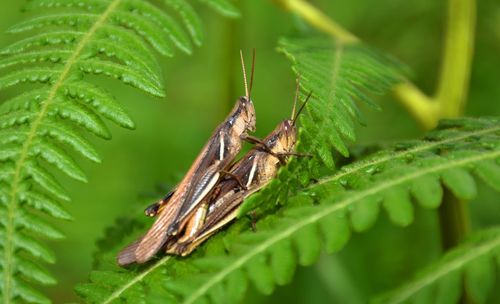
127	255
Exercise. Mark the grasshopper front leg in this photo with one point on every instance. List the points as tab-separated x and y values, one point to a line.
236	178
255	141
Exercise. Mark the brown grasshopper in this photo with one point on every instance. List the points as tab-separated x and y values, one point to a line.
254	171
217	154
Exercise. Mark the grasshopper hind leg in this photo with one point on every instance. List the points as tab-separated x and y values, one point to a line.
155	208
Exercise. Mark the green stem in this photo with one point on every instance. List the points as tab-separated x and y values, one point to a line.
317	19
451	94
423	109
453	83
454	220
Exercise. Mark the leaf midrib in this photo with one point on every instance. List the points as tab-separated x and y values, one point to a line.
427	146
13	201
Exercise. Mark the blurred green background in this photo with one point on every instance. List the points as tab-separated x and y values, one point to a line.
203	87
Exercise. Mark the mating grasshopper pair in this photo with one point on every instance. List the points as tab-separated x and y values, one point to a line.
210	194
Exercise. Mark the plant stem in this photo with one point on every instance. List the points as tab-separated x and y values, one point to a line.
453	83
423	109
317	19
451	93
454	220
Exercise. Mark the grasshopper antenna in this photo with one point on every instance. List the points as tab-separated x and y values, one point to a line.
297	88
301	108
247	93
251	74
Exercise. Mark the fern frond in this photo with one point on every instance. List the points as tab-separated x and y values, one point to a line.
66	44
323	214
338	76
474	261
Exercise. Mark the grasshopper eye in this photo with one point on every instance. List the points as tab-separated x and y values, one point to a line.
287	125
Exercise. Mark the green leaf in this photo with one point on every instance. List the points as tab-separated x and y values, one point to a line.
189	17
260	274
308	244
163	21
28	294
59	158
146	29
35	272
224	7
65	134
365	213
398	205
44	203
489	171
336	232
48	39
282	262
480	278
460	182
101	101
80	115
293	233
59	53
427	191
70	19
45	180
42	56
127	75
34	224
28	75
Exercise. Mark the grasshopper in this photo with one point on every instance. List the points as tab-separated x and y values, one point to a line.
254	171
217	154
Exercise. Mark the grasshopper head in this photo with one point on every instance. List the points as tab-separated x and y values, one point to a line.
283	138
248	113
242	117
287	136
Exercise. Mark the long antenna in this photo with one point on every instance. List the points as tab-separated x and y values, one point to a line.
251	74
247	92
297	81
302	108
